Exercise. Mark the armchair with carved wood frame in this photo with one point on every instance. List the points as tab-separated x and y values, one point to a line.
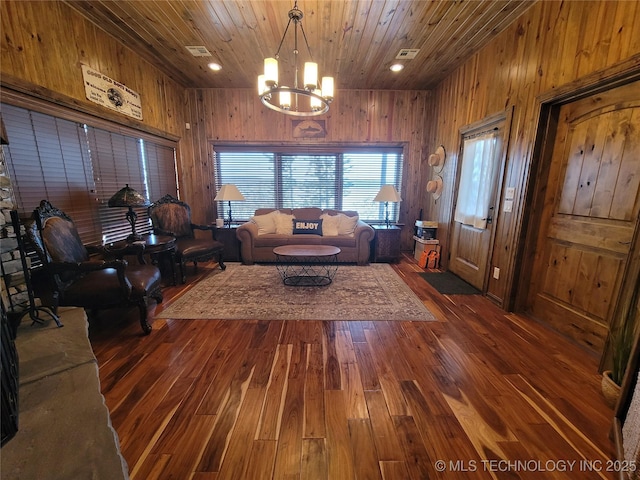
92	282
171	216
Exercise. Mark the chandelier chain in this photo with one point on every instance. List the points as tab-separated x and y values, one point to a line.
282	39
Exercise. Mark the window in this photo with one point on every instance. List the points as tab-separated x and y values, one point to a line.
117	161
78	167
333	178
480	165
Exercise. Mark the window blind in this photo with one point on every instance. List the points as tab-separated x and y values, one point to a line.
48	159
254	175
160	161
117	162
364	174
78	167
285	177
311	178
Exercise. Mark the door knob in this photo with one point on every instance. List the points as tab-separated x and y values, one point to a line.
489	218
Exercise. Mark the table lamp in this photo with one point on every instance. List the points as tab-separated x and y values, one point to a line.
229	192
387	193
128	197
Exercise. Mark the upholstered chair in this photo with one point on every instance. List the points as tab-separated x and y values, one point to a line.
171	216
80	279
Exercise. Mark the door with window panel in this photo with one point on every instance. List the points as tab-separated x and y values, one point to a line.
477	197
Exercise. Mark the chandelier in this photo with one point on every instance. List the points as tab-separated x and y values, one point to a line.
309	100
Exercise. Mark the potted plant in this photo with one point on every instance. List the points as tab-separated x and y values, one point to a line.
620	343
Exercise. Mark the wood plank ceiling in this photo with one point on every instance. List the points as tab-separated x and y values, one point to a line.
355	41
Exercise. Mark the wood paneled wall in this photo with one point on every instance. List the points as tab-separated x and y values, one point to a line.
551	45
43	46
355	117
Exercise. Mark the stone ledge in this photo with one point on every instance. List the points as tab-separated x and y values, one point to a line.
64	428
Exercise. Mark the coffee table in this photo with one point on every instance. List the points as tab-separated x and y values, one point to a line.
307	265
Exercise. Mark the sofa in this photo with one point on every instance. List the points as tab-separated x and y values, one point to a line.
270	228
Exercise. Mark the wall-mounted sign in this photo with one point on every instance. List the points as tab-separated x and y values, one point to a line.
309	128
107	92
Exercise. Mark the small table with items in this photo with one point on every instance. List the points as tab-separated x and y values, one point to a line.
153	245
307	265
227	235
386	243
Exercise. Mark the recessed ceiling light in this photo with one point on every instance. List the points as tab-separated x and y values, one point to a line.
396	67
215	66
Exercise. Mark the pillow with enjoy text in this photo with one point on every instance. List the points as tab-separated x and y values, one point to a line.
307	226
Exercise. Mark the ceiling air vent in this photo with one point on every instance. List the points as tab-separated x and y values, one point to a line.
407	53
198	50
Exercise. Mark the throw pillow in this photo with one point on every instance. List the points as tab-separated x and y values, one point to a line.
330	225
284	226
346	224
266	223
307	226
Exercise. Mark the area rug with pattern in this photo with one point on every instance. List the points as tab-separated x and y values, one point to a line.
256	292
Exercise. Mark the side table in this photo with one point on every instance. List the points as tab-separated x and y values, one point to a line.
227	235
154	245
386	244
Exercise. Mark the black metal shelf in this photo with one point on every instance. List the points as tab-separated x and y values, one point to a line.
33	310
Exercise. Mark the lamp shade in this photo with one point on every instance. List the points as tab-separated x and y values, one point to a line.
262	86
310	75
327	87
285	100
271	71
387	193
128	197
316	104
229	191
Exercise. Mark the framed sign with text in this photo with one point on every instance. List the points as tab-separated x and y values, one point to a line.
109	93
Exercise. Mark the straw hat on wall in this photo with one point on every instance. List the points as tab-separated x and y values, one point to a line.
435	186
436	160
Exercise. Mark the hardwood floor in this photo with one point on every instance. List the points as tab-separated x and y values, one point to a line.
478	394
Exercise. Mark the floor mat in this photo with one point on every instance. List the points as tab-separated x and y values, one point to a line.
449	284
